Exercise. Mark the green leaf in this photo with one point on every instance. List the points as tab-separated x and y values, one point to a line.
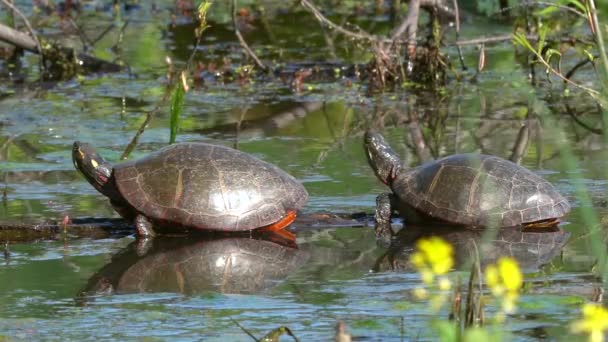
177	104
480	335
542	34
448	331
203	9
550	53
275	334
521	39
588	54
579	4
547	11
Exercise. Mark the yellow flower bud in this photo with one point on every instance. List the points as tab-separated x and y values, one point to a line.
435	254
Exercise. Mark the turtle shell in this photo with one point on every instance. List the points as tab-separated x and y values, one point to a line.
479	190
203	186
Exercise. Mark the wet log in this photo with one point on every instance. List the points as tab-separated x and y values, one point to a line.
51	230
115	227
17	38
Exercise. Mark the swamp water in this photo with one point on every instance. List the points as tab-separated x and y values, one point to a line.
314	134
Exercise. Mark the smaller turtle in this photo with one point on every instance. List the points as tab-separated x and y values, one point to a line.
195	186
463	189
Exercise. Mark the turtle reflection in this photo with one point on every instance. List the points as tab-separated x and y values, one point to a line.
191	266
531	249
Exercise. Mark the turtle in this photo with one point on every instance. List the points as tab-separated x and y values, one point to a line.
469	189
195	186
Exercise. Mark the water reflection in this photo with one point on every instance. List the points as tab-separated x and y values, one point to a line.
531	249
195	265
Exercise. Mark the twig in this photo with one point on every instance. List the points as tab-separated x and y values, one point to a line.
549	4
242	40
142	128
103	33
580	122
86	42
409	24
244	330
579	65
357	35
237	128
457	20
599	39
495	39
18	38
540	58
521	143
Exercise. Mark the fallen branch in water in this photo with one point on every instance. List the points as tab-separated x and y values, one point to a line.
18	39
27	23
106	227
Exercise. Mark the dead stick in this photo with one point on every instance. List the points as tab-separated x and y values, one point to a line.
242	40
27	24
18	38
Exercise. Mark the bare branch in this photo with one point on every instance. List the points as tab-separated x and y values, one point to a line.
27	24
362	35
242	40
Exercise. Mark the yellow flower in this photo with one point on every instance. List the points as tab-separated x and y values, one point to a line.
505	276
417	259
505	280
594	322
510	273
427	276
509	301
435	254
493	280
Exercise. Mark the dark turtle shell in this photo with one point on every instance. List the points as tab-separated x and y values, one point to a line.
205	186
479	190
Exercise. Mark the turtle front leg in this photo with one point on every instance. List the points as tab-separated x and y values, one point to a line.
382	217
144	226
145	234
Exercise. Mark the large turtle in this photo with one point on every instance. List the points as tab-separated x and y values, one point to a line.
462	189
195	186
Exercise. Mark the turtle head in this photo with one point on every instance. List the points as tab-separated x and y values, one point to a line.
92	166
381	157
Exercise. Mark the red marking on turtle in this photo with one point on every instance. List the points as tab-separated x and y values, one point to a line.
282	223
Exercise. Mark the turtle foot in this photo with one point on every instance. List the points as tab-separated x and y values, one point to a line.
144	227
383	217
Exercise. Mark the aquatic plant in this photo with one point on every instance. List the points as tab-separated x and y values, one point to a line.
594	322
433	259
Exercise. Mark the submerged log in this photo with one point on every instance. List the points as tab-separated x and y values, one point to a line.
108	227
